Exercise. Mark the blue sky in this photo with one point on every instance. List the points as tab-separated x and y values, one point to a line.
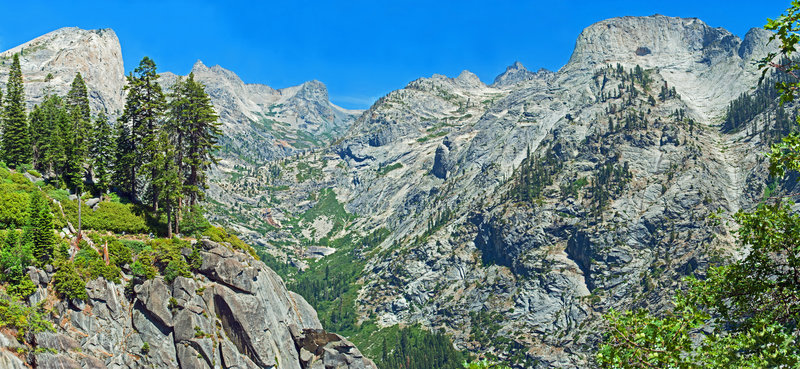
360	49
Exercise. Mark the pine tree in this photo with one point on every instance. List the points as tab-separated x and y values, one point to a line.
78	99
79	133
39	135
16	137
102	153
41	228
46	123
55	157
144	109
195	125
124	174
168	180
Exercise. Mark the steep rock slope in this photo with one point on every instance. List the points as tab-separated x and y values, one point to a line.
50	62
261	123
522	210
234	313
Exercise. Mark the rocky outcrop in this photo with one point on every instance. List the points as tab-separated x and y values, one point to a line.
440	162
50	62
321	350
236	313
514	74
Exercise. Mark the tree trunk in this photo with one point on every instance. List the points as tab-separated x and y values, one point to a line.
79	214
178	216
169	222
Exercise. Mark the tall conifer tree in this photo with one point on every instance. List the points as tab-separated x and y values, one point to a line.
102	153
196	127
124	174
144	110
79	134
41	228
16	137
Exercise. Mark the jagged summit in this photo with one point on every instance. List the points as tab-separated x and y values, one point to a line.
515	73
50	62
468	80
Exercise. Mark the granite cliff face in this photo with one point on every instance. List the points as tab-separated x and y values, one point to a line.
50	62
542	200
234	313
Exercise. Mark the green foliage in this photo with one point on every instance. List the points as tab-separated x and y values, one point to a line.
194	221
329	285
78	136
14	207
329	206
15	141
67	282
41	229
118	253
306	172
102	153
90	265
196	128
484	364
383	170
15	257
109	216
143	268
218	234
749	105
144	106
162	256
415	348
25	319
533	175
573	188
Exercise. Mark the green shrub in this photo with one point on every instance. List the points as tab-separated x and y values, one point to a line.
143	268
16	315
59	194
218	234
68	283
483	364
91	265
21	181
109	216
13	207
194	221
21	288
118	252
15	257
169	258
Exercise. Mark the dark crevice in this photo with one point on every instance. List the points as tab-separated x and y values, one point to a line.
163	328
235	332
579	250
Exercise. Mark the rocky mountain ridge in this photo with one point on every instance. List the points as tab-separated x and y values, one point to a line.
542	200
287	120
